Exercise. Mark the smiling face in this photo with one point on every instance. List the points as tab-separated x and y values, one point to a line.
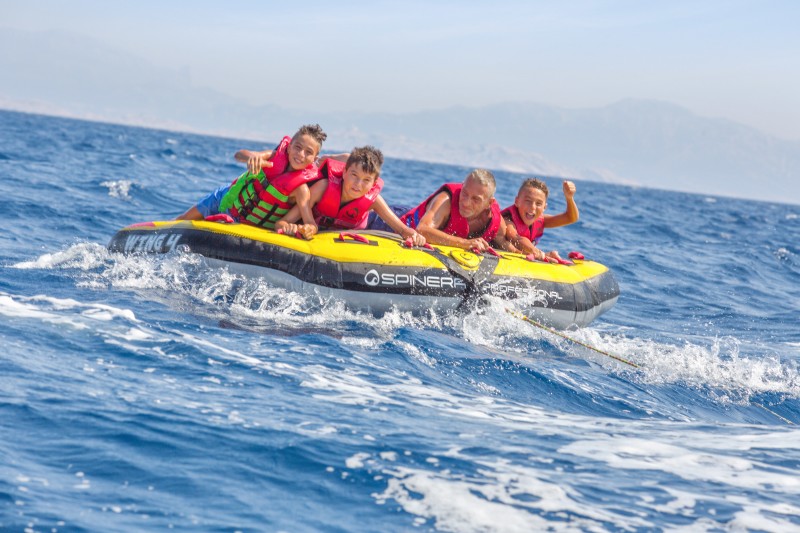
302	151
474	199
531	203
356	182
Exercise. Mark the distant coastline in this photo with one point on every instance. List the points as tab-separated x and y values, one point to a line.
738	168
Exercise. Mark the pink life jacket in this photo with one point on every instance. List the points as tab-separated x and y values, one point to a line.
457	225
533	232
329	213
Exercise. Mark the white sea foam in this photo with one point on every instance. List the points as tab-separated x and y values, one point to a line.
83	256
457	504
499	496
415	352
515	494
253	302
718	365
632	453
315	429
485	388
11	307
357	460
59	311
118	188
348	388
508	496
778	518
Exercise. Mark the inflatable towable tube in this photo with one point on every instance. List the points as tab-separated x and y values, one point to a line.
381	273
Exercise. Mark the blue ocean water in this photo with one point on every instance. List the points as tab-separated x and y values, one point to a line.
154	393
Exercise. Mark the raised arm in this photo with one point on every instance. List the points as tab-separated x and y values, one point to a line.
255	160
385	212
570	215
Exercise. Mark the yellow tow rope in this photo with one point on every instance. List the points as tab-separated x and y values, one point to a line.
576	341
620	359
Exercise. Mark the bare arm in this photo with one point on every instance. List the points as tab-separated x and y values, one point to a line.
513	236
571	215
522	244
525	246
191	214
500	239
255	160
385	212
338	157
435	217
302	198
288	222
244	155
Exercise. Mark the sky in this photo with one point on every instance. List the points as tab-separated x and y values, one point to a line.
733	59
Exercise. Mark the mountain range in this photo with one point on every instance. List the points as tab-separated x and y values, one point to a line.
640	142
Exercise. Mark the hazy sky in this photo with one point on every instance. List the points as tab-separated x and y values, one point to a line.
734	59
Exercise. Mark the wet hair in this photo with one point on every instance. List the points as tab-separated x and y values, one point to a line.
535	183
312	130
484	177
368	157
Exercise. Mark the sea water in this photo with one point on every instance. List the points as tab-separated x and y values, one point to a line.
154	393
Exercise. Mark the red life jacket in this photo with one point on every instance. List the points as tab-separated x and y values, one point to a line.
262	199
533	232
330	213
456	225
